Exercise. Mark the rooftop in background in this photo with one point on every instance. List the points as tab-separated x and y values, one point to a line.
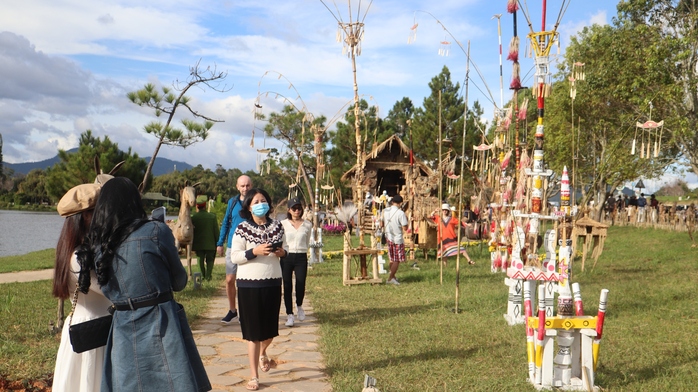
156	196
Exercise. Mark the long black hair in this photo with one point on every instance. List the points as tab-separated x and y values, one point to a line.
119	211
245	209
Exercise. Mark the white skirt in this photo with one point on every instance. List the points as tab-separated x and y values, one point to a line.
77	372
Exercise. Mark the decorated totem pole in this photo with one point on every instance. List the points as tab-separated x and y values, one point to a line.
561	342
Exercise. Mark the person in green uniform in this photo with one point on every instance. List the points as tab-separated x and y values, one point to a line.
205	236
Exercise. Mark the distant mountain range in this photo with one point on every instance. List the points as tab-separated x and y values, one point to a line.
161	166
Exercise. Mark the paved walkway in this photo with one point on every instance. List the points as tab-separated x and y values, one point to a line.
26	276
224	352
295	350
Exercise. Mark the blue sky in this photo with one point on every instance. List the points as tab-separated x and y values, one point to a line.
66	65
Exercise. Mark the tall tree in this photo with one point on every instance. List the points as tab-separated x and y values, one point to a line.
78	168
195	128
33	187
399	118
676	24
295	130
341	155
444	101
626	67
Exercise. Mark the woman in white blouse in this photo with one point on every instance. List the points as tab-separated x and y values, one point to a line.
77	372
297	232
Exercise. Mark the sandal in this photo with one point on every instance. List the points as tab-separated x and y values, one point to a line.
265	363
471	262
253	384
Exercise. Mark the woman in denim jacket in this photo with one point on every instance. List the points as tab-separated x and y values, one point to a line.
150	347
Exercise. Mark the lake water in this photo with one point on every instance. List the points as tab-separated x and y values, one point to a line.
22	232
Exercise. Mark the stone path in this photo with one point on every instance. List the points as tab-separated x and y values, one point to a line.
295	350
224	352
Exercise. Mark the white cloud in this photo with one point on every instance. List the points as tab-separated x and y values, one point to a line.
68	67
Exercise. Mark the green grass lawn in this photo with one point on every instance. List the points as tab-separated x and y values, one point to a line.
27	346
38	260
410	339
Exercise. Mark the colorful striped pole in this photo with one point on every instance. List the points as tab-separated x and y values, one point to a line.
599	326
541	334
530	344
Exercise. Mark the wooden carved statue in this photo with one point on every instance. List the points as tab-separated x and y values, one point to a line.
182	228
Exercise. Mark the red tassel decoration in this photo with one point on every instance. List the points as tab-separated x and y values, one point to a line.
505	161
512	6
515	80
513	49
515	84
523	110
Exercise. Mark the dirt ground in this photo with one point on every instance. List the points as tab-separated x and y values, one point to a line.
25	385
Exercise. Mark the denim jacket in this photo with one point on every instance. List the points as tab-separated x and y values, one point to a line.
150	348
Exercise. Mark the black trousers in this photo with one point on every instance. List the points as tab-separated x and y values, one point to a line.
298	263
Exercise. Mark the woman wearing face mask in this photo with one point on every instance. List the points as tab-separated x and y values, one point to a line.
258	244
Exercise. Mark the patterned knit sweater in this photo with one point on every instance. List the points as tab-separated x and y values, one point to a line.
257	271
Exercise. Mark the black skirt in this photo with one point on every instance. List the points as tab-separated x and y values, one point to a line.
259	312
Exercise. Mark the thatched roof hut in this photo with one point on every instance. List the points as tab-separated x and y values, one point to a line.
387	167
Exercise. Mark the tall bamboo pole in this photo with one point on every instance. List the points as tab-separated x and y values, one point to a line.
411	193
316	237
462	180
441	175
351	34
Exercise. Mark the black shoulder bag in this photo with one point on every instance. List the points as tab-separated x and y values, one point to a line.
90	334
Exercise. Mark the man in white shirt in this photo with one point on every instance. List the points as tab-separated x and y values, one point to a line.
394	221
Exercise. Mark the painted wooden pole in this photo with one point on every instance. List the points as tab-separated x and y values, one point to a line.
599	326
530	344
540	334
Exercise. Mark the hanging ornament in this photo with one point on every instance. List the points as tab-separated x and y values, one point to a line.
523	110
515	79
413	32
445	48
513	49
578	70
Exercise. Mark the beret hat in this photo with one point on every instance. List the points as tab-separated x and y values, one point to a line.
78	199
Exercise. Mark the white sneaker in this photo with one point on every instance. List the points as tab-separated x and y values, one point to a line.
393	281
301	313
289	321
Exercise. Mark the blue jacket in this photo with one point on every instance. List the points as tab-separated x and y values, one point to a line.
231	220
150	348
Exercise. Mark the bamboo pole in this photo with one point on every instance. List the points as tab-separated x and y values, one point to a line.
438	224
462	180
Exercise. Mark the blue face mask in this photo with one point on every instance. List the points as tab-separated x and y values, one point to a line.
260	209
